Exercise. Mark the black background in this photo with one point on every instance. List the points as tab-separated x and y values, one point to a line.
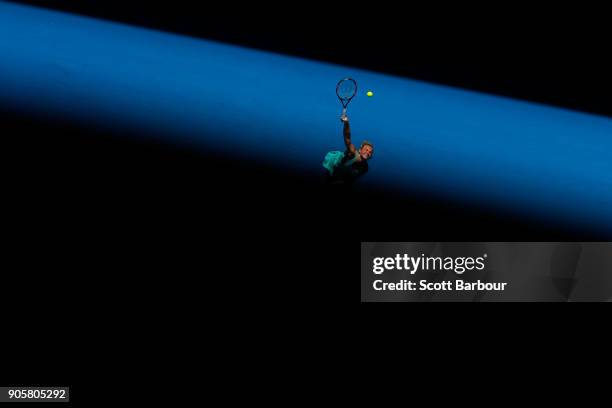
147	232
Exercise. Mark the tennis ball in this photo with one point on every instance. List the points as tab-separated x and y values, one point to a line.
370	93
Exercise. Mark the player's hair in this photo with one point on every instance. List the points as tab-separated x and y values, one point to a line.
366	143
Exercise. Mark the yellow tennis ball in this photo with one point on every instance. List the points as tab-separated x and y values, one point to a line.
370	93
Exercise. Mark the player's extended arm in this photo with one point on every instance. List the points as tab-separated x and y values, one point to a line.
347	134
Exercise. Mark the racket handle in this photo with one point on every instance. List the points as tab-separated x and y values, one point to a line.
343	111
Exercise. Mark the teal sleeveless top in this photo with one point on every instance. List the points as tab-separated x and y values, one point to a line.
334	159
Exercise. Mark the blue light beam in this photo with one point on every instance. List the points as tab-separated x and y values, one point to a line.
535	160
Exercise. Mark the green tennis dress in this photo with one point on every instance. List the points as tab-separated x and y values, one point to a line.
337	165
333	160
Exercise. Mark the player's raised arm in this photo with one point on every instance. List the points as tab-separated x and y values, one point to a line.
347	134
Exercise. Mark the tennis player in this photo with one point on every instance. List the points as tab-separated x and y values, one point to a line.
345	167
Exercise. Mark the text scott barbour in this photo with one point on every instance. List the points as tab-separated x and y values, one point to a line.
410	264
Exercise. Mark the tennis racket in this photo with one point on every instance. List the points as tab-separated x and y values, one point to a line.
346	91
